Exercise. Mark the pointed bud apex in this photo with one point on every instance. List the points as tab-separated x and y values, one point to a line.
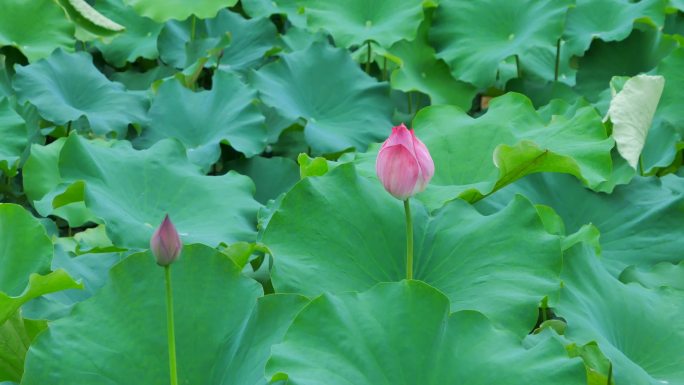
404	165
165	243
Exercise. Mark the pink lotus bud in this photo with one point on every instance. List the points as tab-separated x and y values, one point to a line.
165	243
404	165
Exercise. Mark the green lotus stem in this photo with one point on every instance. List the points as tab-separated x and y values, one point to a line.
384	69
368	58
641	165
219	56
409	240
517	66
555	73
194	24
610	373
173	371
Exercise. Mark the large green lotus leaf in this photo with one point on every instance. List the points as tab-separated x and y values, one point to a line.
542	93
638	329
41	178
25	248
663	148
132	190
668	122
661	274
33	121
504	29
266	8
275	124
142	81
38	285
93	240
243	361
14	134
203	120
622	174
355	22
272	176
640	223
25	253
299	39
16	335
66	87
299	86
13	346
220	326
139	40
640	52
249	40
343	232
420	70
513	136
90	269
401	333
607	20
163	10
36	40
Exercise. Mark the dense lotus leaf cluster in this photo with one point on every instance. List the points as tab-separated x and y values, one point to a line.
549	245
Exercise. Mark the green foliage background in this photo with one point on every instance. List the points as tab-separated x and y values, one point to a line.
545	252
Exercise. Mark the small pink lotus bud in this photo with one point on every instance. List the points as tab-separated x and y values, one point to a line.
165	243
404	165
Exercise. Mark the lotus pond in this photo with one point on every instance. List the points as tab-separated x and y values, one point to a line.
547	248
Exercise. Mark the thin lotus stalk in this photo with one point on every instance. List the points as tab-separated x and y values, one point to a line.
610	373
409	240
556	69
171	332
384	68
